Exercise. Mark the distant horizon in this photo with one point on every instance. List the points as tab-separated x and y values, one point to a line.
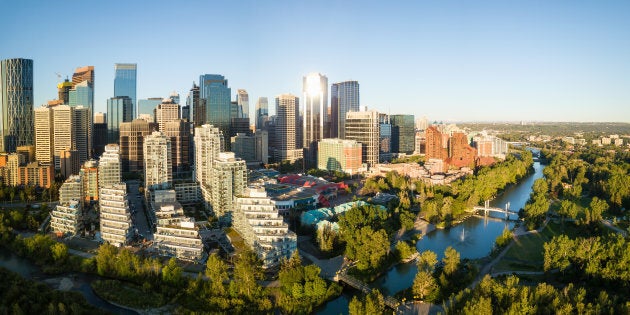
491	61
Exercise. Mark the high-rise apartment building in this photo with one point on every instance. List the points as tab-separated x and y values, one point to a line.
125	84
109	166
115	217
339	155
229	178
263	229
214	89
68	214
176	235
344	97
207	147
363	127
89	177
436	146
315	114
287	115
131	144
165	112
403	133
146	107
178	131
262	113
119	110
197	104
158	171
242	100
16	104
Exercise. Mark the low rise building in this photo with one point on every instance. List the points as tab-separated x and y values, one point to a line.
177	235
263	229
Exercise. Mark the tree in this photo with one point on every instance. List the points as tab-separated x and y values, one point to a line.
172	273
217	273
427	261
423	284
59	252
451	261
372	303
247	272
404	250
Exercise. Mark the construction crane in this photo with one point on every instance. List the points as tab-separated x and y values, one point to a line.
58	77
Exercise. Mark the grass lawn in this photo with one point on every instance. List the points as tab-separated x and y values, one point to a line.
127	294
527	252
237	241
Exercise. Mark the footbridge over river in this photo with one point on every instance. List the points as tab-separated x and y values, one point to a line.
486	208
343	276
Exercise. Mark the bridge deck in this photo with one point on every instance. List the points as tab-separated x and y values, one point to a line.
494	209
390	301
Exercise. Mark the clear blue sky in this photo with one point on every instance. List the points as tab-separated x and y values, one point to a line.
448	60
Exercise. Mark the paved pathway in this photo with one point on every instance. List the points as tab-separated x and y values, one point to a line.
609	225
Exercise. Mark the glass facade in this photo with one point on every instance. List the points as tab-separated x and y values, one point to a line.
214	89
148	106
403	133
125	83
262	112
82	94
119	110
16	104
344	97
315	115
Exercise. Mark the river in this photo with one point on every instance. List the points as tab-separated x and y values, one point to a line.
473	238
81	282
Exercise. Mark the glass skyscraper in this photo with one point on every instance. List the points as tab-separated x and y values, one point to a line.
214	89
16	104
125	83
147	106
344	97
403	133
119	110
315	114
262	112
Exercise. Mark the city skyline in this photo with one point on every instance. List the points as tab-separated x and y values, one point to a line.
492	61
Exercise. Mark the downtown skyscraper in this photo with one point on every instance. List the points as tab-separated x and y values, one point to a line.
16	104
344	97
315	114
262	112
125	83
214	89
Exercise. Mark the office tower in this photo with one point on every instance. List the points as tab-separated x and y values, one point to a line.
239	125
422	123
115	217
339	155
229	178
165	112
148	106
44	133
385	138
81	94
125	84
69	162
214	89
363	127
89	178
131	144
197	104
16	104
287	113
242	99
178	132
344	97
251	148
262	228
315	90
421	142
262	112
185	110
63	132
68	215
119	110
174	96
109	166
63	91
403	133
158	168
99	134
82	124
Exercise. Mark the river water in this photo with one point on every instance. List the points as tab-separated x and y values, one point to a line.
473	238
28	270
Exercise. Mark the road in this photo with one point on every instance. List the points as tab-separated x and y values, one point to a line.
138	215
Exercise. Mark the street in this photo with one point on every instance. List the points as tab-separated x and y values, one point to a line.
138	215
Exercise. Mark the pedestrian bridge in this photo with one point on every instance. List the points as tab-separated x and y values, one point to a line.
342	276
